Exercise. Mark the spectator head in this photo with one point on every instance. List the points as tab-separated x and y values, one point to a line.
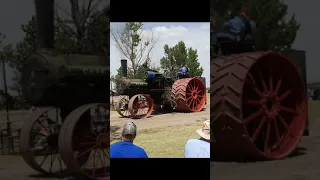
204	132
129	132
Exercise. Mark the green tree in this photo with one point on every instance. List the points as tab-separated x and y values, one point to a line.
84	30
6	51
136	47
274	31
133	45
179	55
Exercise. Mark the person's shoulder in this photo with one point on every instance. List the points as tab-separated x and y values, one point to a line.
196	148
116	144
142	151
139	148
193	141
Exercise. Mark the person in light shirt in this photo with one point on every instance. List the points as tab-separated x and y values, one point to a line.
199	148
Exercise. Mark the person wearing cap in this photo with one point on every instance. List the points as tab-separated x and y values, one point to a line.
126	148
199	148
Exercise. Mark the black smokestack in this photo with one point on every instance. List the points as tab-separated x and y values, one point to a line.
45	22
124	67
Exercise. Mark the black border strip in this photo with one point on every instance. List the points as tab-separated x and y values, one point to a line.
160	11
160	168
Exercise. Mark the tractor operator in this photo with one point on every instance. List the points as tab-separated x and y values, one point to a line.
238	29
184	72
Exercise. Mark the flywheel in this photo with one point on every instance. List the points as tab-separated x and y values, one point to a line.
259	106
189	94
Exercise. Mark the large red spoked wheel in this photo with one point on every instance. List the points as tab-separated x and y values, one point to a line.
141	106
190	94
84	142
259	105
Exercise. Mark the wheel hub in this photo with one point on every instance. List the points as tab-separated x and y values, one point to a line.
141	105
194	95
144	103
270	106
53	140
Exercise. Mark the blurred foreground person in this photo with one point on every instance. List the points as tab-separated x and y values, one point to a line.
126	148
199	148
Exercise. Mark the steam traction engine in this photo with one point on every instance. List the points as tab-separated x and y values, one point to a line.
71	129
160	92
259	103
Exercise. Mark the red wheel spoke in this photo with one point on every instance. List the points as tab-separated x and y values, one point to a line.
276	128
283	122
85	152
188	98
252	79
266	141
196	88
285	95
254	84
252	116
191	101
286	109
254	102
258	130
258	92
265	88
270	80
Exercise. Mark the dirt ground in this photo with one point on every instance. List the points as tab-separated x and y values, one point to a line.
302	166
13	167
157	121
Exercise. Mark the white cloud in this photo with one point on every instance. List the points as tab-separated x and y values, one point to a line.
195	35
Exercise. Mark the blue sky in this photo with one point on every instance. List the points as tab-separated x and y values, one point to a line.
195	35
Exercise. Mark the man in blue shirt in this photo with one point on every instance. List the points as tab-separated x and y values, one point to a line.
184	72
199	148
238	28
126	148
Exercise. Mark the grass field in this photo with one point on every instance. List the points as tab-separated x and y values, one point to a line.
314	111
166	142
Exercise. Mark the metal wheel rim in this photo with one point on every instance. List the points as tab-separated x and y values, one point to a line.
25	148
195	95
281	91
135	106
119	105
66	136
